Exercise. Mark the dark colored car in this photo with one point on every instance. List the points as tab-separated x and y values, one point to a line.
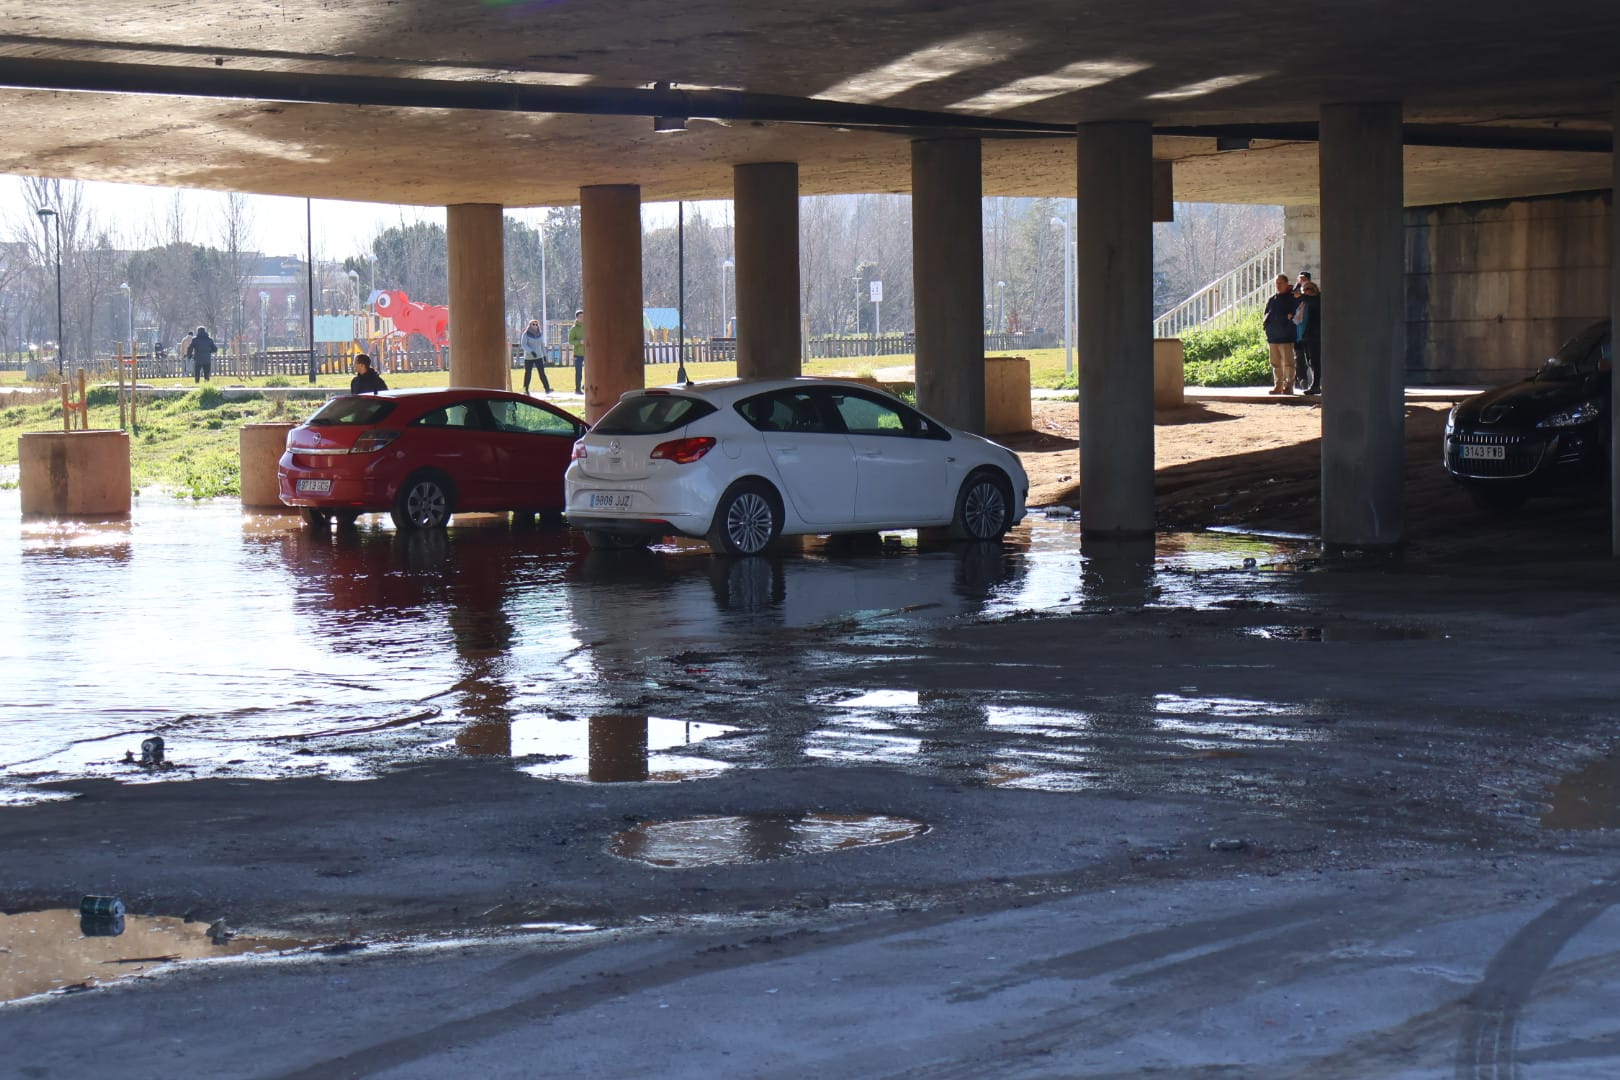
423	455
1543	434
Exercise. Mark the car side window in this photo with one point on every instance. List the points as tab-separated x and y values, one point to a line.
463	414
784	410
523	418
868	416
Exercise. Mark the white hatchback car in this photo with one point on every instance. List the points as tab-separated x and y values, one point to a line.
742	462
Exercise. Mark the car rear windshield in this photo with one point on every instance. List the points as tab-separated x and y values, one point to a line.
651	414
352	411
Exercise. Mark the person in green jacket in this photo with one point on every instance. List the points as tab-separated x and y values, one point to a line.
576	339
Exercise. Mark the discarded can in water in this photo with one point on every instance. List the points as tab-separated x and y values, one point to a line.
96	926
101	907
152	750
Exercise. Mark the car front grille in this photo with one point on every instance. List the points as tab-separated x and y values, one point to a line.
1521	454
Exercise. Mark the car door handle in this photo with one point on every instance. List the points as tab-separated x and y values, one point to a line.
868	455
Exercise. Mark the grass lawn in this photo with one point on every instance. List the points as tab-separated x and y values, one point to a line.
187	444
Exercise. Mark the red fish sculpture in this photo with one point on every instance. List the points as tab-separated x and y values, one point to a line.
409	316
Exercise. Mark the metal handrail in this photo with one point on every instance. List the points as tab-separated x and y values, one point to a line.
1245	287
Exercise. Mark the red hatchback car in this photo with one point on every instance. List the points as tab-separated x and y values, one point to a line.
423	455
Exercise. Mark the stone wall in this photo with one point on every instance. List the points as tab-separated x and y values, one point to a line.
1492	289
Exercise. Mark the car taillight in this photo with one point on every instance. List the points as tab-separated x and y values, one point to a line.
683	451
370	442
578	453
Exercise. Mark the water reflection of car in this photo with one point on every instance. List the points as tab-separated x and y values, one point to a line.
1542	434
740	463
423	455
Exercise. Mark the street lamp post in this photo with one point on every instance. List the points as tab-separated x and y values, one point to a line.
1001	307
264	317
1068	300
129	302
43	212
725	264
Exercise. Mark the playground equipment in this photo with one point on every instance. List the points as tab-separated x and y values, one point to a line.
431	321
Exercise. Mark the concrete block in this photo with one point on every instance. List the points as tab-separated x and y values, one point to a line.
74	473
1006	395
1169	373
260	447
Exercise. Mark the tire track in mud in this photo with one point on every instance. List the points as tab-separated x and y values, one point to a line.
1487	1048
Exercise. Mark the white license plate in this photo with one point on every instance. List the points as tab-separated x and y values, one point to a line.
315	487
1485	453
603	500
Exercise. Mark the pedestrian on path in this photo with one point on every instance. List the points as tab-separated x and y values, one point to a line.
534	355
1280	336
201	353
1310	340
576	339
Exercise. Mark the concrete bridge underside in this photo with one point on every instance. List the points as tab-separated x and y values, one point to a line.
478	105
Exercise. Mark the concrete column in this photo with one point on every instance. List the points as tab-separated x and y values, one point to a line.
1302	240
1614	336
479	352
1363	325
767	208
610	258
947	256
1114	267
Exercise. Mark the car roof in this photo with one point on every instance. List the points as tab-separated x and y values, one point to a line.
727	391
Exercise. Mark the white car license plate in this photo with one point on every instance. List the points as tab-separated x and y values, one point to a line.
605	500
1485	453
315	487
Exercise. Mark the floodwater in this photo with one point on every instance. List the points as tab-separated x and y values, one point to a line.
258	648
752	838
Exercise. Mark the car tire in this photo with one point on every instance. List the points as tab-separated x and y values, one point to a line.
1498	498
345	519
316	518
425	501
747	520
983	508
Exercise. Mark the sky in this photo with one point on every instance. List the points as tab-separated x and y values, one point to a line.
340	229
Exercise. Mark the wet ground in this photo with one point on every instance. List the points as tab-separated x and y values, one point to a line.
1222	767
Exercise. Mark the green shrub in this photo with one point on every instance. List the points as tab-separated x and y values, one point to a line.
207	396
101	395
278	380
209	475
1231	352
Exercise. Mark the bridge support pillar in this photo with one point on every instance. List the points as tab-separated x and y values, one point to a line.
767	208
1363	325
479	352
610	261
947	254
1114	268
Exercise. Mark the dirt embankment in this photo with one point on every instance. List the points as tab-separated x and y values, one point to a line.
1258	465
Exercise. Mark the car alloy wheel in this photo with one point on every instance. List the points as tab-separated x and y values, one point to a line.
424	503
984	510
747	520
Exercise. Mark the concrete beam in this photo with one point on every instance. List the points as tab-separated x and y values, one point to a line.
1114	260
947	254
479	351
1363	325
610	263
767	235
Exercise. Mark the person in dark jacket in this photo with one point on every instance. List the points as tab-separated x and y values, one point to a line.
201	354
365	381
1280	336
1309	314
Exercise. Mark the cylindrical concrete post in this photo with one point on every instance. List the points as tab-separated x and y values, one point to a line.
767	208
947	266
479	353
1114	272
610	258
259	449
1363	325
74	473
1614	335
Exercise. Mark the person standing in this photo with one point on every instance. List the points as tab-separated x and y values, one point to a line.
201	353
365	381
1310	340
534	355
1278	323
576	340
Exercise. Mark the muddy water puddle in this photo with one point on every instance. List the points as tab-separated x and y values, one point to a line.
258	649
1586	799
56	951
755	838
1347	632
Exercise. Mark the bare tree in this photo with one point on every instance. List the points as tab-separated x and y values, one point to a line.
235	229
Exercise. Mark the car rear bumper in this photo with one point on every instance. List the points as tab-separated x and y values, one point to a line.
346	490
